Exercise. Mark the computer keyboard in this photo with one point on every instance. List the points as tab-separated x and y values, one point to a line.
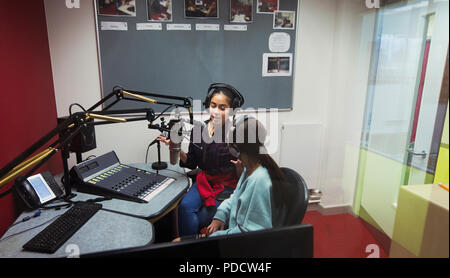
59	231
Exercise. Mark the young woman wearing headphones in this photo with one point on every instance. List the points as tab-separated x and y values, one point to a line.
261	186
218	174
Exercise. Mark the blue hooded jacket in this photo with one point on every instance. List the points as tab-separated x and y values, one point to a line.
249	207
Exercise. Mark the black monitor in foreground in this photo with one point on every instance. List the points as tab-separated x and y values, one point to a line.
286	242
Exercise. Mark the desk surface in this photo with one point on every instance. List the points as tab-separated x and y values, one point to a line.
120	224
432	193
104	231
421	226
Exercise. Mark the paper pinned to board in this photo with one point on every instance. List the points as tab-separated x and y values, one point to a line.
114	26
148	26
207	27
279	42
230	27
182	27
277	64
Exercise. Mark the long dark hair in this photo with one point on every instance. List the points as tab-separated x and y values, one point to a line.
252	144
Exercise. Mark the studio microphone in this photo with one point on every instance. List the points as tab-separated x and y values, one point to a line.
175	153
196	131
176	136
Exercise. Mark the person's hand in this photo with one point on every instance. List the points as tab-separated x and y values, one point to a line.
169	143
178	239
215	226
166	141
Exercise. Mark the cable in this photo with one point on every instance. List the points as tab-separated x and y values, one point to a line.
99	199
167	108
184	174
25	219
89	157
75	104
31	228
58	207
146	155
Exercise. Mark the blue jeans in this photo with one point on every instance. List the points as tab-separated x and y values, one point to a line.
192	215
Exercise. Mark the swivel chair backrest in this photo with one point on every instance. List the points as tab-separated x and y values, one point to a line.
293	210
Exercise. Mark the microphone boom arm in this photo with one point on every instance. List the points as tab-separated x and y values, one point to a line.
131	95
74	123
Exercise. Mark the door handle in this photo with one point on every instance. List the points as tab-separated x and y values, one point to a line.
423	154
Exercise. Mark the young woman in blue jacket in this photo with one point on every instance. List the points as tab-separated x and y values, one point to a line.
249	208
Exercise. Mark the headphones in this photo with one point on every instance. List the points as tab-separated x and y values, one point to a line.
236	102
232	145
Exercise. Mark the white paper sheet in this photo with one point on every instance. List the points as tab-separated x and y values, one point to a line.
230	27
148	26
182	27
207	27
114	26
279	42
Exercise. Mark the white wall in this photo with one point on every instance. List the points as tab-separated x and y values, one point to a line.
76	75
73	48
329	58
312	75
353	38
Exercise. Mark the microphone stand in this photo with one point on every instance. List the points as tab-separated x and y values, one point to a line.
158	165
65	153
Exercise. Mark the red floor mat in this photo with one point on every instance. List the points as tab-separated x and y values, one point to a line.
341	236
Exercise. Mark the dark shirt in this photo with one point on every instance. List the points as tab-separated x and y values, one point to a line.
214	157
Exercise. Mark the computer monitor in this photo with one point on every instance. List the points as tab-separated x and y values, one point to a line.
286	242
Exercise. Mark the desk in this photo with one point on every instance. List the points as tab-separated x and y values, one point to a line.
120	224
104	231
421	224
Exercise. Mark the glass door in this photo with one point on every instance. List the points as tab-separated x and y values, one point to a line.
428	114
408	60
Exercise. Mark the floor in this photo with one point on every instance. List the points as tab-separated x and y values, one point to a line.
342	236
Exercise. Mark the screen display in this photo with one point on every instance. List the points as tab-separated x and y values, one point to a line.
88	167
93	165
41	188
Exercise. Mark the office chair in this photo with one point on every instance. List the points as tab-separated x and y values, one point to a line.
285	242
293	210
